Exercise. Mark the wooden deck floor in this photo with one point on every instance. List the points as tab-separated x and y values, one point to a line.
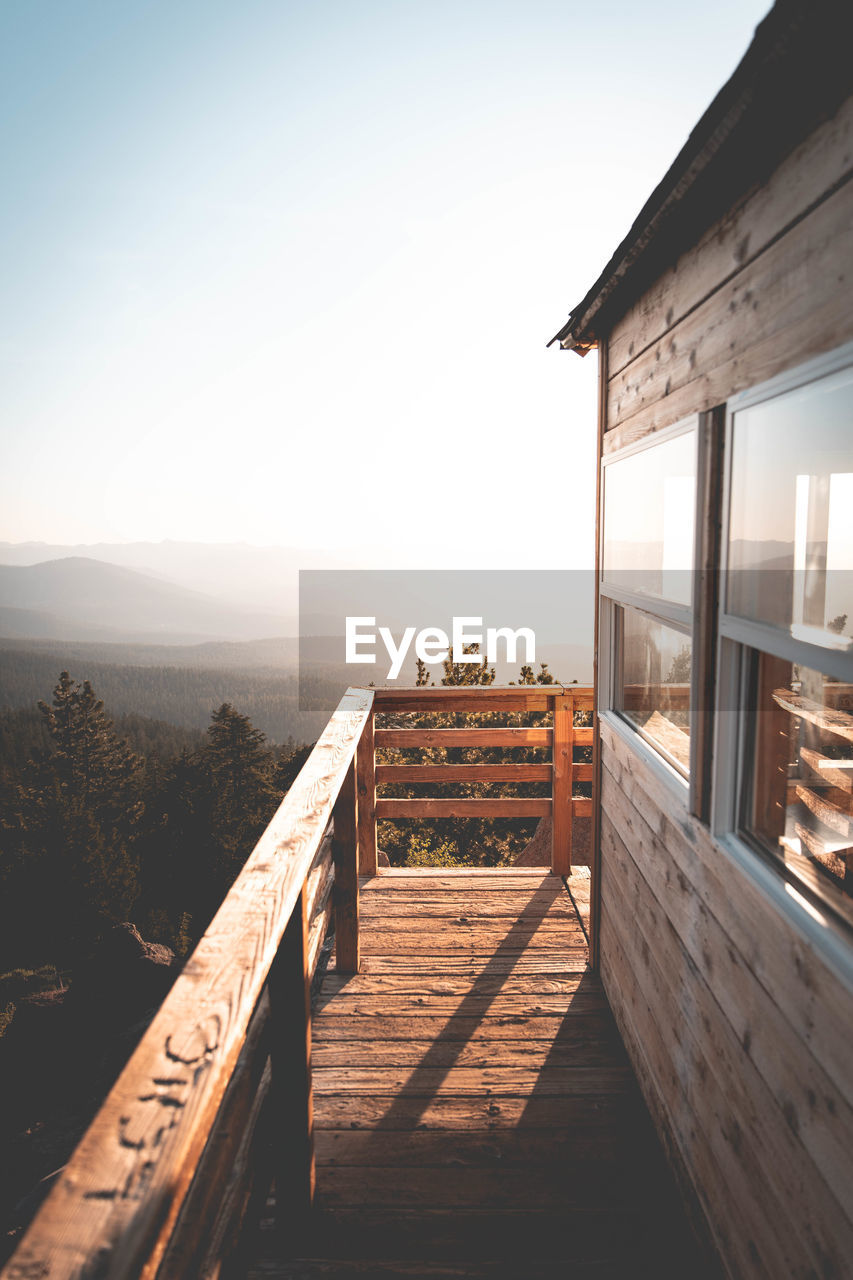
475	1112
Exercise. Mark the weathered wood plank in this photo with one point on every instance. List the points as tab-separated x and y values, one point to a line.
345	853
452	985
398	773
476	879
509	906
576	1146
561	789
365	777
543	960
465	807
828	769
834	721
488	931
241	1200
609	1113
378	947
119	1197
461	701
830	807
320	926
507	1012
317	882
319	904
729	246
485	698
437	1082
550	1186
407	739
719	1202
786	305
748	1101
383	1269
590	1049
292	1103
790	1105
791	1080
488	885
428	1024
811	995
213	1197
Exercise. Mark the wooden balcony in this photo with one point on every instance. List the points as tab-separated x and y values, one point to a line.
456	1103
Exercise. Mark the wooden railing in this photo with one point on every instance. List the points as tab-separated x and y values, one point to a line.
562	771
215	1101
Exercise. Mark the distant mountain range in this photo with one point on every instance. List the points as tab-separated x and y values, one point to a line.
260	579
77	598
152	641
196	605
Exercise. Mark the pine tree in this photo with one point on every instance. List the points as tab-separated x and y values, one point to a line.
70	863
241	771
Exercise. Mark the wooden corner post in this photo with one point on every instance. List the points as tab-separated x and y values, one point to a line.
345	854
365	777
561	791
293	1138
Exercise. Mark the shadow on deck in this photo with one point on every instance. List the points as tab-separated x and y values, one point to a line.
475	1112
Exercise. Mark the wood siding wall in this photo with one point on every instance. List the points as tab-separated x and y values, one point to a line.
739	1032
763	290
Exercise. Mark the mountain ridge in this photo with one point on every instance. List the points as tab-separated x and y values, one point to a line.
80	598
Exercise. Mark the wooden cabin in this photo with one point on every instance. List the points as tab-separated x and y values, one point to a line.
484	1081
723	916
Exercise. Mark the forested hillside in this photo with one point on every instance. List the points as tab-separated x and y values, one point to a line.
103	822
184	696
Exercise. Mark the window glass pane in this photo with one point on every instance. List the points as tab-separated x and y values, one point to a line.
791	525
799	803
649	504
655	695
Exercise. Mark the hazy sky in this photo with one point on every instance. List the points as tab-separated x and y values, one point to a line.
283	272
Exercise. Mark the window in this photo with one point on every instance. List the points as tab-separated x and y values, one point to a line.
647	580
785	764
654	691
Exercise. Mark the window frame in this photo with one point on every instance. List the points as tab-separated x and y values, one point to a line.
738	638
613	599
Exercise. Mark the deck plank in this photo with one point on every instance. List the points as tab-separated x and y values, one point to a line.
475	1112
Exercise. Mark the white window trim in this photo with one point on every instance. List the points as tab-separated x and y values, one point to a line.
817	922
677	616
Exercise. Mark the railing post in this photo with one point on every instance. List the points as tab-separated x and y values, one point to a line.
365	770
290	1051
345	854
561	792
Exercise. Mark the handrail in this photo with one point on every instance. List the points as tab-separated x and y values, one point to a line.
216	1099
114	1208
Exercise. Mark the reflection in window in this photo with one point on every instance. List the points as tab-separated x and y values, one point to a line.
649	500
791	527
800	801
655	693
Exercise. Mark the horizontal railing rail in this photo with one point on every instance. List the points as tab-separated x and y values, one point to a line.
215	1102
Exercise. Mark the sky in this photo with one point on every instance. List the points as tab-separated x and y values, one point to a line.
283	272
